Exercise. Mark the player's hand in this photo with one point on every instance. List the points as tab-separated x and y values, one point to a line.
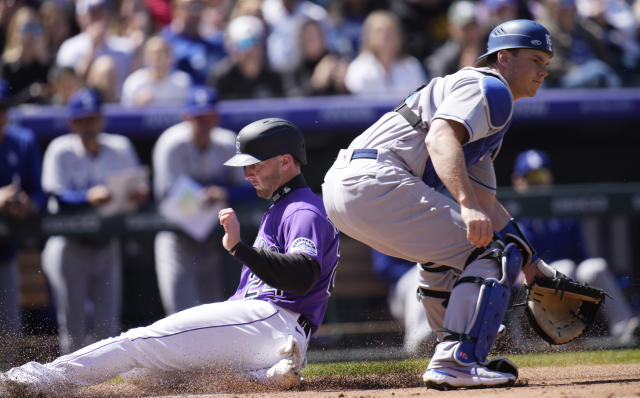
140	195
229	222
7	196
479	226
98	195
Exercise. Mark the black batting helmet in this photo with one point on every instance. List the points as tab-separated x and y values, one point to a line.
266	138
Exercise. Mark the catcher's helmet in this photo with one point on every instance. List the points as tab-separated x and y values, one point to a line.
266	138
518	33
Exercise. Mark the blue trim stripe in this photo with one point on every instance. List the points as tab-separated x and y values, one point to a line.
457	119
443	373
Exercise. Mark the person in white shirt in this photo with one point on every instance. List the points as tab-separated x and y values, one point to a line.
156	83
382	67
100	58
189	271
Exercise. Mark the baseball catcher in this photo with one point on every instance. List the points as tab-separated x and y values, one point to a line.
559	308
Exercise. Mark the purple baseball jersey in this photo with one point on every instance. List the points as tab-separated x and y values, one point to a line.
297	223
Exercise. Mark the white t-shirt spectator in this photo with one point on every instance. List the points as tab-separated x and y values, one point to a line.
76	48
172	90
366	76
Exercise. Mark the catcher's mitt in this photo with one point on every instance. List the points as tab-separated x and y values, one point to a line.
561	309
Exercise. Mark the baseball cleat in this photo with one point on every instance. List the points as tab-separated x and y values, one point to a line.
283	374
475	376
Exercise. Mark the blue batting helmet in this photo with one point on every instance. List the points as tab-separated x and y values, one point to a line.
518	33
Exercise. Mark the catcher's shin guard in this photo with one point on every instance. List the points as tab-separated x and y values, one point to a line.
491	305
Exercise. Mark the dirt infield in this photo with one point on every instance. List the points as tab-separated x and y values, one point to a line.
593	381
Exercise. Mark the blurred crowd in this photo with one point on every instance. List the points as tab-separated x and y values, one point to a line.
141	52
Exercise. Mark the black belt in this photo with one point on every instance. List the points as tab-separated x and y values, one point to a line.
366	153
306	325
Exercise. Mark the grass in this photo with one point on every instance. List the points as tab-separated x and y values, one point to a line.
604	357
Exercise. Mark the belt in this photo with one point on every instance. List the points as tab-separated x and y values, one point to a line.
367	153
305	324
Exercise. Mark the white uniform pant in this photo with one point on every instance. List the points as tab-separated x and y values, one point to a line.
239	336
86	283
189	273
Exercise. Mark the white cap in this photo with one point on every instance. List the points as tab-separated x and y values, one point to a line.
245	31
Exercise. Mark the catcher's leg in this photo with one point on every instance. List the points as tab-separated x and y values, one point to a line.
435	283
476	309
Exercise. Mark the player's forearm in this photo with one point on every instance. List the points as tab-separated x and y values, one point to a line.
494	209
292	272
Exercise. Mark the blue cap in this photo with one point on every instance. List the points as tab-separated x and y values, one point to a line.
518	33
531	160
201	100
5	92
84	103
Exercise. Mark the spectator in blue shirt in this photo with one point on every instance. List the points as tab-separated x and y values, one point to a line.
20	196
192	52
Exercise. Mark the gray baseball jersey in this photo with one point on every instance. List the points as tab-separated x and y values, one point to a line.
83	269
189	272
383	189
174	154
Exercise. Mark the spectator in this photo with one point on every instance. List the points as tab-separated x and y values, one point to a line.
465	43
26	59
160	13
98	56
85	269
616	18
560	243
580	56
424	24
190	272
283	18
63	82
245	73
382	67
134	23
7	8
57	23
214	19
156	83
192	53
20	196
499	11
246	7
320	72
346	18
